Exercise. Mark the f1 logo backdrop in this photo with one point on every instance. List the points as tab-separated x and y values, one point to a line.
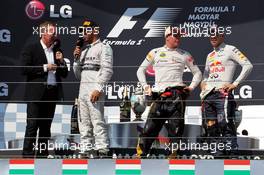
132	30
160	19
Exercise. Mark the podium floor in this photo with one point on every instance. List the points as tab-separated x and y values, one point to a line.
140	167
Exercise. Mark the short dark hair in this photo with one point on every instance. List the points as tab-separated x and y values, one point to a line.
58	50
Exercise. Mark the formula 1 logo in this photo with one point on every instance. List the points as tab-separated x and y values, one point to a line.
161	18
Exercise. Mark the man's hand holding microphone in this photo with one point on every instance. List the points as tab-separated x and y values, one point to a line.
58	56
77	52
78	48
95	95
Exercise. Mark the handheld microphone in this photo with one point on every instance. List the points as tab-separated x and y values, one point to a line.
79	43
56	44
56	47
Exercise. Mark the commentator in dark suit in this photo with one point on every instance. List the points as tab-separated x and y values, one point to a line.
43	68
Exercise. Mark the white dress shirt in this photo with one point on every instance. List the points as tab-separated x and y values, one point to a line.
50	59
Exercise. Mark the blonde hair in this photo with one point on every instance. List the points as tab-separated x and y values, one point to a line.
45	26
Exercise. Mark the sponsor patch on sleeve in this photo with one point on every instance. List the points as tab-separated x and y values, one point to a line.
190	60
239	54
150	56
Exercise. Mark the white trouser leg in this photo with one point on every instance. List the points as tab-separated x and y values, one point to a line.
85	126
99	125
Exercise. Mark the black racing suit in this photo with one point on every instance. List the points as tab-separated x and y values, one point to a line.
220	107
168	106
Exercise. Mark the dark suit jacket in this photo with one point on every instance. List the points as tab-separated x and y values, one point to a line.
33	58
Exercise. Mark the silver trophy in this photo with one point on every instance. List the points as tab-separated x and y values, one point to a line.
138	103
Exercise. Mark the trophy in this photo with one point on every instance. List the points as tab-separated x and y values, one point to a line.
138	103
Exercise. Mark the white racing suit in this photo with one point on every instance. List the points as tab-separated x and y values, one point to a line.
169	105
94	69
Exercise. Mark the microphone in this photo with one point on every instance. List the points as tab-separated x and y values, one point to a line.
56	47
56	44
79	43
244	132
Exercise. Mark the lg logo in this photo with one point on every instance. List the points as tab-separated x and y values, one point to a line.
161	18
3	89
35	10
245	92
65	12
5	36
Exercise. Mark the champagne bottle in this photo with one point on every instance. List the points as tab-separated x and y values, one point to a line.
125	107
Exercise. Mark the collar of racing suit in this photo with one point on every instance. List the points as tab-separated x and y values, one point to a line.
93	44
96	42
221	46
169	49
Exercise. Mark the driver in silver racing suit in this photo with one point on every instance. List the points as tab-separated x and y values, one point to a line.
169	93
94	69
